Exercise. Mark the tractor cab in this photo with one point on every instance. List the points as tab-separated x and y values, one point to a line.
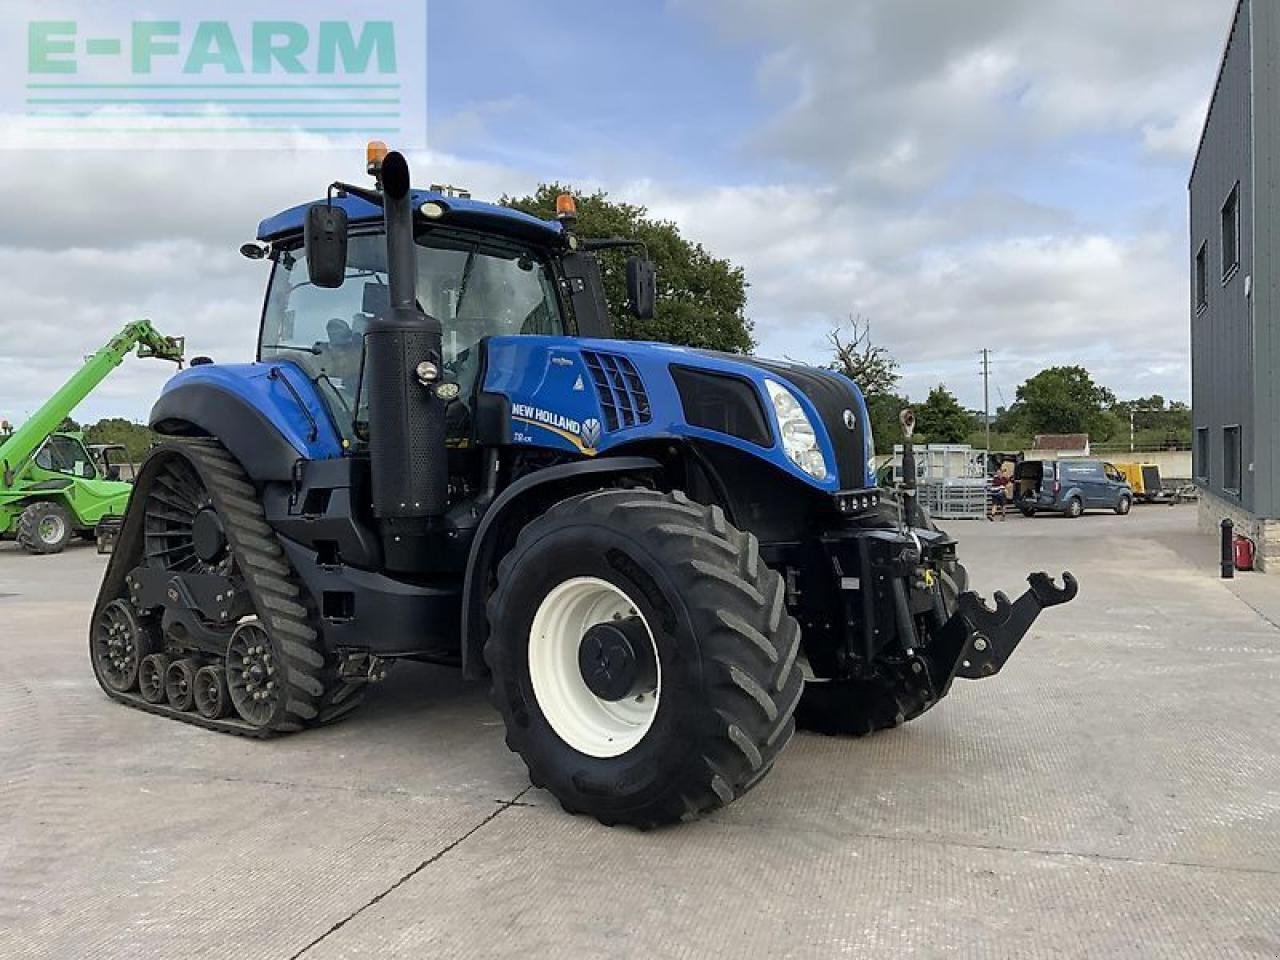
477	285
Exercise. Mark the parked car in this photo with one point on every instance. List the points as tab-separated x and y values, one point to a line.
1070	487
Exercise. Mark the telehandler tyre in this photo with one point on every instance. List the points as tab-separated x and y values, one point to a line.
642	657
44	527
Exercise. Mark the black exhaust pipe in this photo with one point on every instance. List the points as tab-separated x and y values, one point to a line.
403	364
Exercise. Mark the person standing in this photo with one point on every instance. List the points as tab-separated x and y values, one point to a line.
999	494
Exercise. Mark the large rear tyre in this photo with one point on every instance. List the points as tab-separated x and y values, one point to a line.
642	657
886	698
44	528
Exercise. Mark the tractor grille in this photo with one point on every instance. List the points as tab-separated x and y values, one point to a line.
620	389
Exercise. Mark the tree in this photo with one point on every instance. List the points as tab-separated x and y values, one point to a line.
134	437
701	299
872	368
941	419
1066	400
68	425
875	371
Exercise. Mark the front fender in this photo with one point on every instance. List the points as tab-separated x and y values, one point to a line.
535	491
268	415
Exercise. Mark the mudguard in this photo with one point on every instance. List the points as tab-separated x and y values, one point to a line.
553	483
267	415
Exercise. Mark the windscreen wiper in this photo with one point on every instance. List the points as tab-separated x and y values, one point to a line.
314	351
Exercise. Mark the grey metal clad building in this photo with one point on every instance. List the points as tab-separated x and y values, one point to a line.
1235	284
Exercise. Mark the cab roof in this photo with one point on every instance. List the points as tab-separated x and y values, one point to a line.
461	212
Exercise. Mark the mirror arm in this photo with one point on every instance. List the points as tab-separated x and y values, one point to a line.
364	193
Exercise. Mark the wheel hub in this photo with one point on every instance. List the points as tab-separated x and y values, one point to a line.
616	659
208	536
594	668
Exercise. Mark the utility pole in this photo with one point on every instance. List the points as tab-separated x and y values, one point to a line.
986	396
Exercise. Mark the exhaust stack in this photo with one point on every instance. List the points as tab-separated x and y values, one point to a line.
403	364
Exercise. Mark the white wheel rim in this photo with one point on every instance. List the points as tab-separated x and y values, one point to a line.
51	528
596	727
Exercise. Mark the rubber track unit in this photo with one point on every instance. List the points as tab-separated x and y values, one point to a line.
748	646
265	573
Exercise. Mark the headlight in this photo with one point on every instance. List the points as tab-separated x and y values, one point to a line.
799	438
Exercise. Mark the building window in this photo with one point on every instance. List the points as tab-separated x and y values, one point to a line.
1231	234
1231	459
1201	466
1202	277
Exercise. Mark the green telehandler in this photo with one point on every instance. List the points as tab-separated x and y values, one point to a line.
51	485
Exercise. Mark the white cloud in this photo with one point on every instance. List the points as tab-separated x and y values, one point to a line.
908	133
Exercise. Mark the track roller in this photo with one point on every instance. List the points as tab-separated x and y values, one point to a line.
151	677
180	684
211	695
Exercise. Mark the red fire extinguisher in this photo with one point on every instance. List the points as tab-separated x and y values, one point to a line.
1244	552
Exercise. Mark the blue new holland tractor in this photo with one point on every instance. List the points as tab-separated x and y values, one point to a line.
661	558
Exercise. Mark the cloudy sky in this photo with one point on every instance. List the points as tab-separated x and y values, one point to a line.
1002	174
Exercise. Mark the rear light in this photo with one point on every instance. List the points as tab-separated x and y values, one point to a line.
1057	487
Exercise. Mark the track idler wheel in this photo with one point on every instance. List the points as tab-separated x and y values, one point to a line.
151	676
252	674
180	684
120	643
212	699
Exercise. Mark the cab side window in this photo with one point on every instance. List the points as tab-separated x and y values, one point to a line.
66	455
1113	474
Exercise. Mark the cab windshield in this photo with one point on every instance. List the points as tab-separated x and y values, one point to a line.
475	288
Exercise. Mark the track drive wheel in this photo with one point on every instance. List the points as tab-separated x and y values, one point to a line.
642	657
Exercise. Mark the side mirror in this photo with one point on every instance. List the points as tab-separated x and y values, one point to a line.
324	234
642	287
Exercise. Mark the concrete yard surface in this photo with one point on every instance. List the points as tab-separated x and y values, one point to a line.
1114	792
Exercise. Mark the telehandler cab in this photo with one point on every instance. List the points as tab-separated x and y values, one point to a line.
659	556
